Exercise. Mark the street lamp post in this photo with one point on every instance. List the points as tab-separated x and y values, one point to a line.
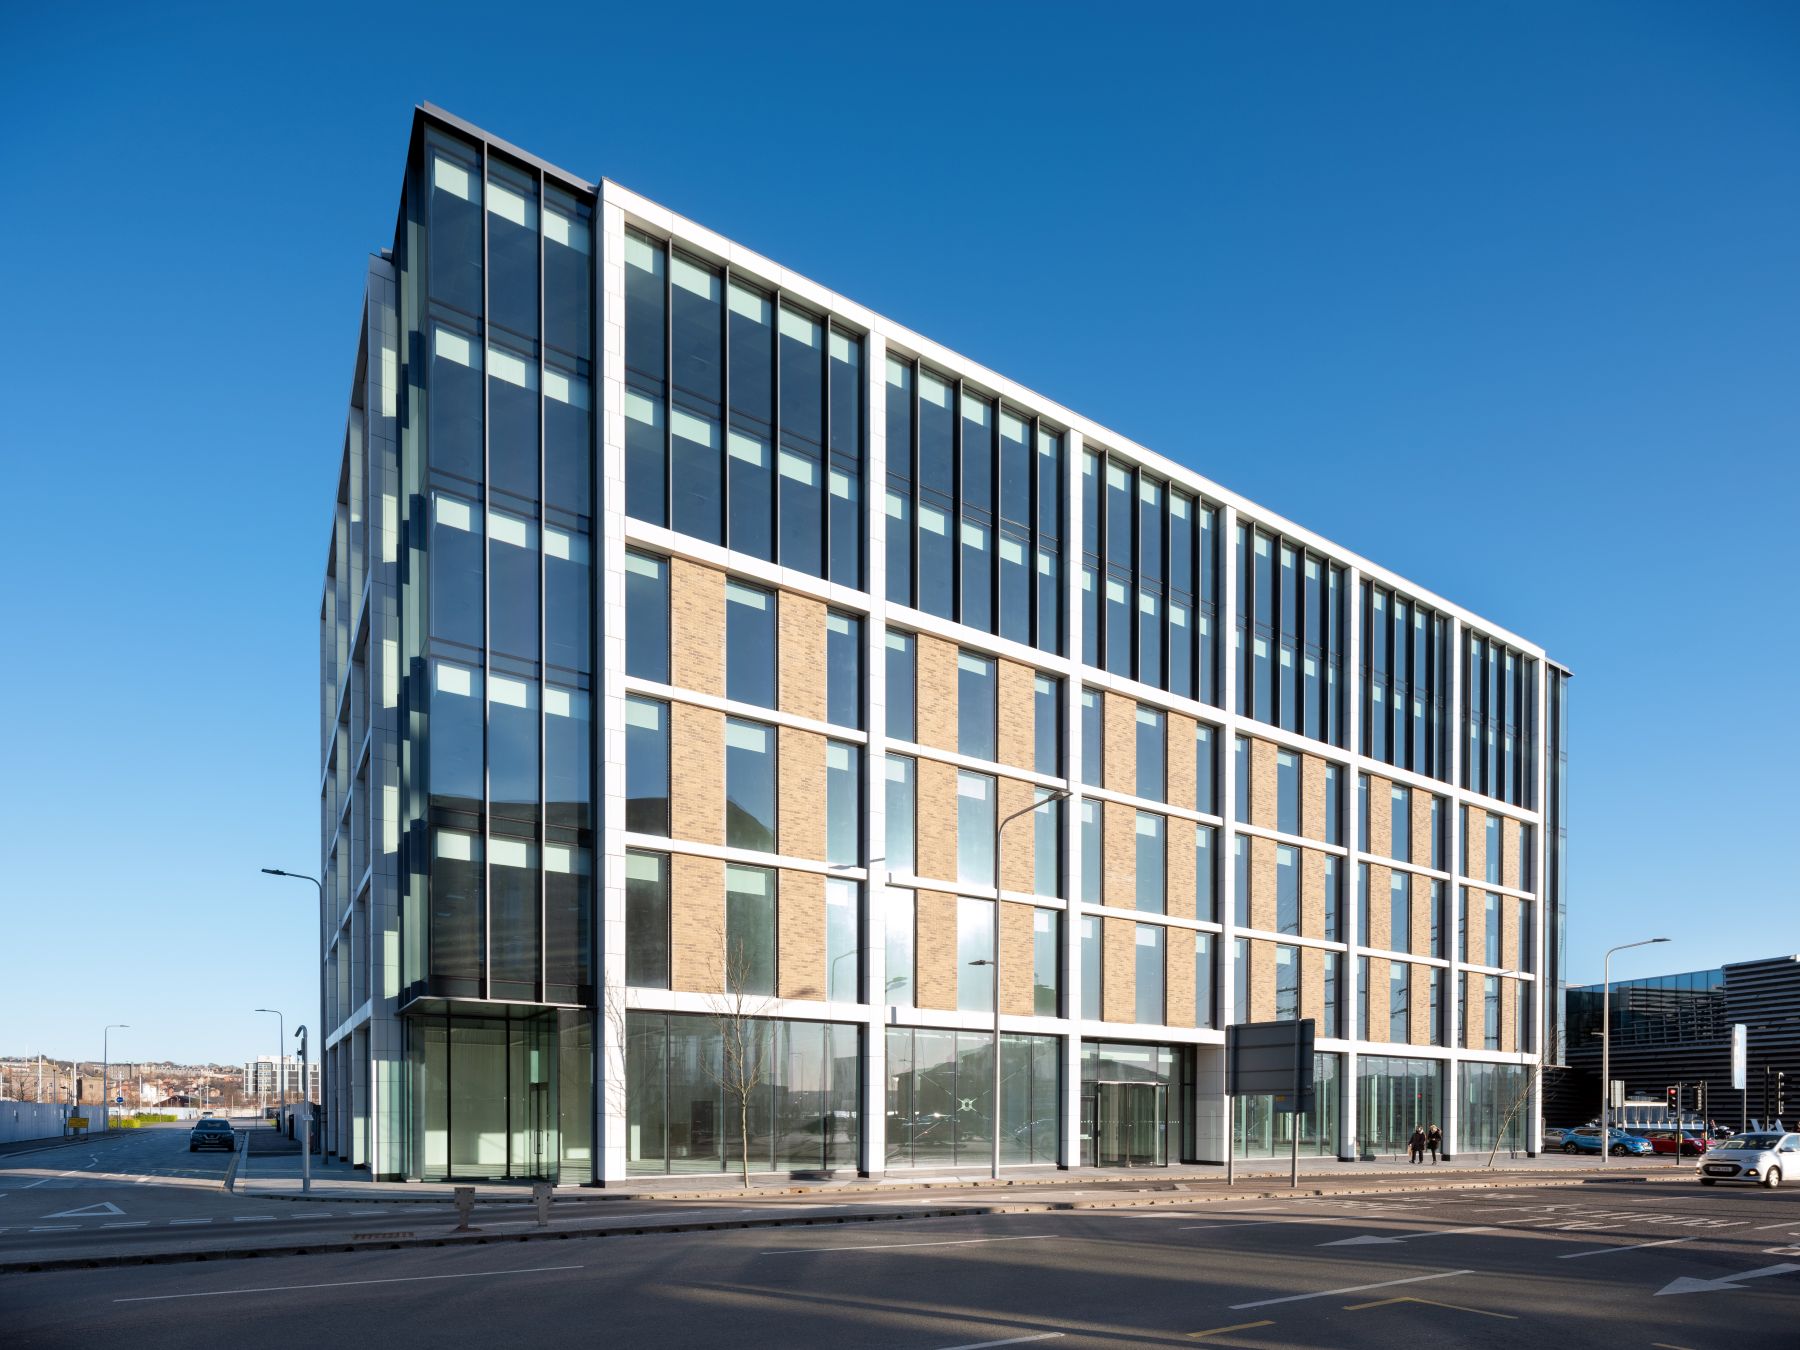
280	1050
999	841
1606	1044
324	1057
105	1066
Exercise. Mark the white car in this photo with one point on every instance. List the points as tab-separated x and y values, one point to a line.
1752	1159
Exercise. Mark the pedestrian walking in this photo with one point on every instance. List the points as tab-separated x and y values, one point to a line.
1434	1140
1415	1146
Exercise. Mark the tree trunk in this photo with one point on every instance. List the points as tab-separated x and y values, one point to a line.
744	1137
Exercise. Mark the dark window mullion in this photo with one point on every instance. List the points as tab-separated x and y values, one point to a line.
543	654
487	636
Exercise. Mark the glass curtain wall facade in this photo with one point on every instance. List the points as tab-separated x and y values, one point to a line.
689	632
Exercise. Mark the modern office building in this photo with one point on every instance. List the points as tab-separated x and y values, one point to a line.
266	1078
697	645
1670	1030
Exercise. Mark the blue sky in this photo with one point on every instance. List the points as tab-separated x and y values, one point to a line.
1507	297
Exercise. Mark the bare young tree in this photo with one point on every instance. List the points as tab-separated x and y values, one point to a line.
741	1017
1531	1081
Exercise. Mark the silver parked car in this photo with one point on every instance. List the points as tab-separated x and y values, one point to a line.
1755	1158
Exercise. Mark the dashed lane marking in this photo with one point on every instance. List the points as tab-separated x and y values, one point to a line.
343	1284
1010	1340
1350	1289
891	1246
1629	1247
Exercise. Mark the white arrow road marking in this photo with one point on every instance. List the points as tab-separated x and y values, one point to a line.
1636	1246
1369	1240
1688	1285
87	1211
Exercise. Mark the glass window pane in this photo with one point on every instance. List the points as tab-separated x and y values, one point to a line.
842	978
453	441
843	804
1206	770
975	828
455	226
900	948
513	577
1151	739
513	731
512	246
456	570
902	686
901	801
1093	753
568	274
1090	968
1047	844
749	785
1046	954
568	441
975	706
646	766
568	599
1287	889
1151	862
647	616
843	669
457	738
568	794
1206	879
646	920
1093	855
749	929
1047	724
1287	792
1149	974
750	645
974	942
513	420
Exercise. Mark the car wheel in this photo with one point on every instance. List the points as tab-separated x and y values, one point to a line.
1570	1148
1618	1150
1708	1181
1772	1178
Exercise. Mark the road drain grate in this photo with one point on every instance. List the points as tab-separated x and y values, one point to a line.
377	1237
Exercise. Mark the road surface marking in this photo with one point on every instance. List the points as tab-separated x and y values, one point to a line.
1429	1302
890	1246
342	1284
253	1218
1011	1340
1349	1289
1688	1285
1220	1331
56	1228
129	1223
1761	1229
1368	1239
174	1221
1636	1246
1254	1223
87	1211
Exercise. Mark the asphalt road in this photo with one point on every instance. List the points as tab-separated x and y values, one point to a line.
1620	1264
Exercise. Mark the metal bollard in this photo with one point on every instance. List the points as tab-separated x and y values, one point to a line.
540	1197
465	1205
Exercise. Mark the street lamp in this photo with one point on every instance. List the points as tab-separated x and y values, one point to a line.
999	842
1606	1044
280	1050
324	1058
105	1064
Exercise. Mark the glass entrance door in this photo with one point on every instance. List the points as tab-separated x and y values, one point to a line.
1131	1126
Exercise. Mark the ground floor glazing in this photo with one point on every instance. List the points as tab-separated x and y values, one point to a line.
511	1094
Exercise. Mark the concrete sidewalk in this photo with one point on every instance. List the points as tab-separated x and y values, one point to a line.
276	1177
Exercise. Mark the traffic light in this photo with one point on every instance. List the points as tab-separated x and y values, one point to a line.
1673	1096
1700	1098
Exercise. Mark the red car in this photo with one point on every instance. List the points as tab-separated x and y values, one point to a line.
1692	1145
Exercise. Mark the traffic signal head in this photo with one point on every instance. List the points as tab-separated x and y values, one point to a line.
1673	1096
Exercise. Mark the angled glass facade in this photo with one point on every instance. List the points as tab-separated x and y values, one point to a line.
715	672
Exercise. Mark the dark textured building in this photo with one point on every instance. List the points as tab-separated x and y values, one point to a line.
1674	1029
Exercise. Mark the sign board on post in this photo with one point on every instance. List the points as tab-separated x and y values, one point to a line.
77	1122
1740	1055
1617	1094
1271	1059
